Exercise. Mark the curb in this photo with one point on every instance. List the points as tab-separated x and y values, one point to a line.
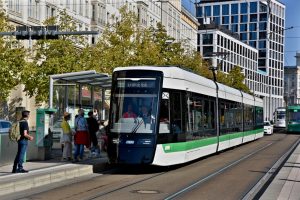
36	178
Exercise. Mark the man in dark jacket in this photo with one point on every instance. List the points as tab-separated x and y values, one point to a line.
93	127
22	144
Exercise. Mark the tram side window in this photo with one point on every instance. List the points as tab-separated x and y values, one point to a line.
195	116
222	115
212	114
206	115
234	122
176	113
228	117
209	118
239	116
259	117
248	117
164	121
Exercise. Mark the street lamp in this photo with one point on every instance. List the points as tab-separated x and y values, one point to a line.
269	104
214	69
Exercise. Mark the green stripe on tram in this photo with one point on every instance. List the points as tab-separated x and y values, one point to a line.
184	146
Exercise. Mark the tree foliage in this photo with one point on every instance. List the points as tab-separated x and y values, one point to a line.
124	43
12	60
236	79
53	57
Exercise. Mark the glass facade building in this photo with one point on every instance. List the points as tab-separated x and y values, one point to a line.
260	25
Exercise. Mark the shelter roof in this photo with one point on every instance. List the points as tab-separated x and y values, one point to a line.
91	77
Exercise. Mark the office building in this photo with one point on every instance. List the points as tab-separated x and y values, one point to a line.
260	24
215	38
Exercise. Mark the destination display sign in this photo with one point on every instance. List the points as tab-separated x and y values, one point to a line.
136	84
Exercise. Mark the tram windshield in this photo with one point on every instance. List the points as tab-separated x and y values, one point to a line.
294	115
280	115
134	103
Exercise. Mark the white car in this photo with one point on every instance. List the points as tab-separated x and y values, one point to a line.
268	128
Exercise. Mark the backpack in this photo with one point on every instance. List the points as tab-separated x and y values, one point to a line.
14	132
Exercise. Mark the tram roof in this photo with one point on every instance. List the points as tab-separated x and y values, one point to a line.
90	77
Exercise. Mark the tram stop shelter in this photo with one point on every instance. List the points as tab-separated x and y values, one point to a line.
88	90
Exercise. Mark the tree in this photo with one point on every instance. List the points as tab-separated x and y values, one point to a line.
235	79
12	60
126	43
53	57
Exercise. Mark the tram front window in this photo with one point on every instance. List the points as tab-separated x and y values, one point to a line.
280	115
134	105
294	116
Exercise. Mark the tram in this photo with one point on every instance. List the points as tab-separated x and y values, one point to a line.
280	117
293	119
167	115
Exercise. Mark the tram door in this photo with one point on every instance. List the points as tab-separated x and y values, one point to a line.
176	117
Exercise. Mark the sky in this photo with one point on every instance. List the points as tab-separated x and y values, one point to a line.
292	36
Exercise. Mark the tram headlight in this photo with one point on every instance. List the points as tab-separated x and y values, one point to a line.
116	141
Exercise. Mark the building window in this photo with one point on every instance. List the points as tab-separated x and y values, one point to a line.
30	8
244	18
235	19
226	26
53	12
207	38
81	8
243	27
225	20
263	7
94	12
244	8
263	17
262	62
262	44
253	36
252	44
253	7
234	28
262	26
234	8
253	18
216	10
253	27
262	53
217	20
207	11
243	36
199	12
262	35
225	9
207	50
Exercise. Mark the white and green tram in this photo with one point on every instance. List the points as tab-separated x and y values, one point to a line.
167	115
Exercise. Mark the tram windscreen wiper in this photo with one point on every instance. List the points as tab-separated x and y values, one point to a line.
137	126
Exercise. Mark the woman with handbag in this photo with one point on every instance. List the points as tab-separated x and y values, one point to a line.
81	136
